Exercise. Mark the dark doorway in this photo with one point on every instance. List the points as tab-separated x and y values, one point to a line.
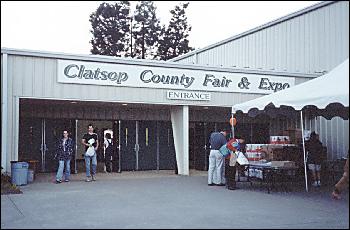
30	140
167	159
53	132
147	140
128	145
199	144
38	141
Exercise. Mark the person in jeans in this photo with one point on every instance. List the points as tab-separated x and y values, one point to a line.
216	159
64	153
90	139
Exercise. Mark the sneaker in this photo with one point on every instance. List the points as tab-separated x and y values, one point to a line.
211	184
58	181
315	184
66	180
221	184
88	179
94	178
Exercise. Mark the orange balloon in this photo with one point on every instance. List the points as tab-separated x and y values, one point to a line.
233	121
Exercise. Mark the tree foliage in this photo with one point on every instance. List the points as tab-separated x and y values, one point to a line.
146	30
117	33
110	29
174	41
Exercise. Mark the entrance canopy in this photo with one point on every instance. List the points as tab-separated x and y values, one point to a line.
327	96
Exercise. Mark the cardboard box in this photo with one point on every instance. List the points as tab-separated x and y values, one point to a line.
283	164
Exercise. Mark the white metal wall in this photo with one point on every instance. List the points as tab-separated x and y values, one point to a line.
313	42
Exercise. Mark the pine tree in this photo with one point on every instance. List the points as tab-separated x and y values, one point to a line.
111	29
145	31
174	40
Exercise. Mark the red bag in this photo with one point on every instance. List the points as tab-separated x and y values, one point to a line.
232	144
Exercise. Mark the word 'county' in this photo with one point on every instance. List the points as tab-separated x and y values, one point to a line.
147	76
75	71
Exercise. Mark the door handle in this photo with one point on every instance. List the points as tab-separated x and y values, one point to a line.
43	148
137	147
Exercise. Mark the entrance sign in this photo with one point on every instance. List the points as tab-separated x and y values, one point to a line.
188	95
93	73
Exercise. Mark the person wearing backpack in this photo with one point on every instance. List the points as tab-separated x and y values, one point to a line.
108	143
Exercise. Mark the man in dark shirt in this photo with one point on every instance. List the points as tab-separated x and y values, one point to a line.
216	159
90	139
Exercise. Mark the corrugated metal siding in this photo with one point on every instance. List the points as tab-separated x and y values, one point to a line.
334	134
314	42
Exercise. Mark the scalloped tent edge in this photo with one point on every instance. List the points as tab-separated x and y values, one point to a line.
327	96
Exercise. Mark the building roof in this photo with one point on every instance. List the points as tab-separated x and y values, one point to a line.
256	29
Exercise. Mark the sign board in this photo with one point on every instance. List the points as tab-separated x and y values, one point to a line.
122	75
188	95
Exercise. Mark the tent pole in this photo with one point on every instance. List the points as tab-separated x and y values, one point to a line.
302	136
232	127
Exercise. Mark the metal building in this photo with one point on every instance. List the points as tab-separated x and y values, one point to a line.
311	41
160	113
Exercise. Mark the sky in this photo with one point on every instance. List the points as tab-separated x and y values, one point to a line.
64	26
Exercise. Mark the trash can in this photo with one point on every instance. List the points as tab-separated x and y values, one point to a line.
30	176
19	173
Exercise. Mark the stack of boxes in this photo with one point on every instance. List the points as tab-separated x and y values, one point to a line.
254	152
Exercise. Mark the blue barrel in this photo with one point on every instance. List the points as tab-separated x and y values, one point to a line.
19	173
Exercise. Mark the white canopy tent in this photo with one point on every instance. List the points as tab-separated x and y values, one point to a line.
327	96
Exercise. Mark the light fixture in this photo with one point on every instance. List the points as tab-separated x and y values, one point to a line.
125	104
73	102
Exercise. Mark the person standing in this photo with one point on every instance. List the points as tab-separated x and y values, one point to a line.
108	144
64	153
237	146
216	159
315	158
90	140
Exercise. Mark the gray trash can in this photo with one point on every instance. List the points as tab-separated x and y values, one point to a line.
19	173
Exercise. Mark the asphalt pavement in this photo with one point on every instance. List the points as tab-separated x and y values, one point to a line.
164	200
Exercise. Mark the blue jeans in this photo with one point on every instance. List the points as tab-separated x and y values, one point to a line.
60	170
87	165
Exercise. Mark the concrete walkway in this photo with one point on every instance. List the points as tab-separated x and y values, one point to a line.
164	200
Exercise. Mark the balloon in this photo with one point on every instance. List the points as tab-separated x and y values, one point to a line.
233	121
